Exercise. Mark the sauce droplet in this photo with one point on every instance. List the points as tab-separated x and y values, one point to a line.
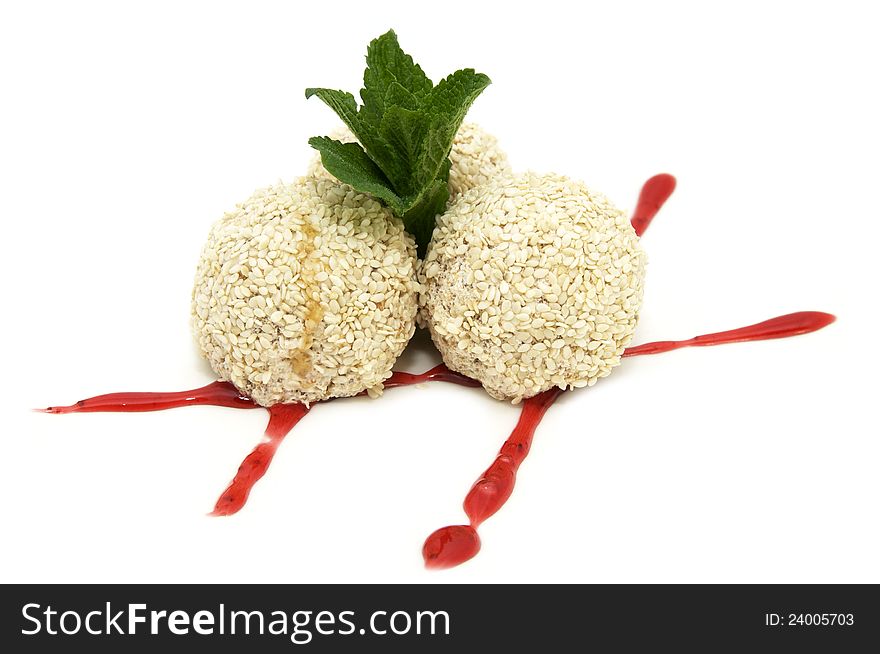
450	546
655	192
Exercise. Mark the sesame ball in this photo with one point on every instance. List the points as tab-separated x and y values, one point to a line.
532	282
306	291
475	158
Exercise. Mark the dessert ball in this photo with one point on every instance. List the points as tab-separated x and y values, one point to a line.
306	291
475	158
530	282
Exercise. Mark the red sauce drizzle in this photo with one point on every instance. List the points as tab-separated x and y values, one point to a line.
215	394
655	193
437	373
449	545
790	324
452	545
282	418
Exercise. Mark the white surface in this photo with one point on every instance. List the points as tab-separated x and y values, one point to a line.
127	131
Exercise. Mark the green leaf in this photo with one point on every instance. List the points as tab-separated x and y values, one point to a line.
447	105
342	102
404	130
419	220
348	162
397	96
455	94
406	127
388	64
346	108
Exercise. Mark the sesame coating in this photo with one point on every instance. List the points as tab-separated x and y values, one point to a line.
532	282
475	158
306	291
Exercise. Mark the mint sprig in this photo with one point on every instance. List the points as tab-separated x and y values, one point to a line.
405	130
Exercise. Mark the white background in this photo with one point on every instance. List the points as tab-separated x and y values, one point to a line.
126	131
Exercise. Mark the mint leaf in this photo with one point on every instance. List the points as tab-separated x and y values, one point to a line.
346	108
342	102
397	95
405	126
388	64
349	161
404	131
454	95
420	218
